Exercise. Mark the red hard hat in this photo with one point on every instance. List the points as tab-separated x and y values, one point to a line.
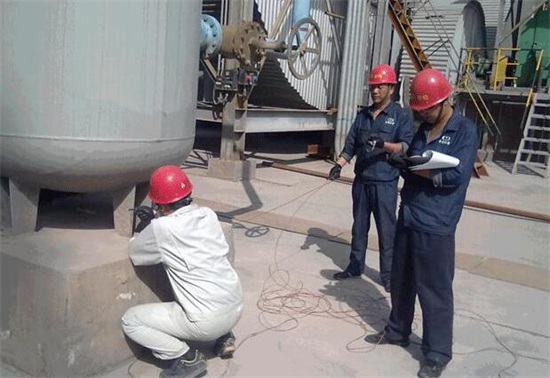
382	74
169	184
428	88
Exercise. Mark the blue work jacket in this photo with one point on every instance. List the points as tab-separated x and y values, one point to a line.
434	206
394	124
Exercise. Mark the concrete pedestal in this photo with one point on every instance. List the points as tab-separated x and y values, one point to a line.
234	170
63	292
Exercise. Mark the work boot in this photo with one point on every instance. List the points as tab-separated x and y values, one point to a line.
380	338
430	369
344	275
187	367
225	346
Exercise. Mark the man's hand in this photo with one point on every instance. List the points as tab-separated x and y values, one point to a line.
145	213
375	141
399	160
335	172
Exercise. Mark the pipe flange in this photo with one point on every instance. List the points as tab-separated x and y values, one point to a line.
211	36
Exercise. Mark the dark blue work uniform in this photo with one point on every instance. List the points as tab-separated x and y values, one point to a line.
424	254
374	188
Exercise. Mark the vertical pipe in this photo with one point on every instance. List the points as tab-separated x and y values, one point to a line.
500	28
228	148
500	24
380	52
353	73
233	143
300	9
247	10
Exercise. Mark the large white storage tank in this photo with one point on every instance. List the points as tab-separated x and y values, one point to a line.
96	95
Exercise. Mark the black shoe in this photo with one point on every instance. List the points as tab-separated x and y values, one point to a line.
344	275
381	339
387	287
188	368
430	369
225	346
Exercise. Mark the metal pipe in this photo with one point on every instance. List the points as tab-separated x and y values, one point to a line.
473	204
351	78
507	210
268	44
520	22
300	9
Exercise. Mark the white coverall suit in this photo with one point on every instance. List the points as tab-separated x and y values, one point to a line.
208	296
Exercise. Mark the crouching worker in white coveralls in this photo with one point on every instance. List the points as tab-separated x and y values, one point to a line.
189	242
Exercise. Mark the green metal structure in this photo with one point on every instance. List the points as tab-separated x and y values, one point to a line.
534	37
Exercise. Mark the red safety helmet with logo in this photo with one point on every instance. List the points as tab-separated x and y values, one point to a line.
382	74
169	184
429	88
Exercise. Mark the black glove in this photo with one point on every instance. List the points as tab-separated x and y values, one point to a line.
145	213
375	141
335	172
420	159
399	160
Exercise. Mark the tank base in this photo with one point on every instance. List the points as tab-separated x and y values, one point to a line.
20	206
23	206
5	212
124	200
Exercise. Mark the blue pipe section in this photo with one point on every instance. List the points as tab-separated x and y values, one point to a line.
210	36
300	9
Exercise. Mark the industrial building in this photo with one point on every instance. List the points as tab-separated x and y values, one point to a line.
96	95
477	44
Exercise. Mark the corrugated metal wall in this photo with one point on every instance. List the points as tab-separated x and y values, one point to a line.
491	8
320	90
442	31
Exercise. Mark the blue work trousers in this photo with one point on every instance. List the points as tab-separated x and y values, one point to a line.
380	199
423	264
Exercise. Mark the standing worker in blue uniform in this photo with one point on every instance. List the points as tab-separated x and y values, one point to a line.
431	205
382	128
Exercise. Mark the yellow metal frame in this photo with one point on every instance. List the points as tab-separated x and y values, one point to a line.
500	65
467	83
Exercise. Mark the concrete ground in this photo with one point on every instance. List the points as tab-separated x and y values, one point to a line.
291	233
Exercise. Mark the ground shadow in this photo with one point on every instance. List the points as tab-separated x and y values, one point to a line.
365	298
256	231
368	300
342	258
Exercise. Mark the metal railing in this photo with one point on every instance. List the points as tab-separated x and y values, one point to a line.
502	71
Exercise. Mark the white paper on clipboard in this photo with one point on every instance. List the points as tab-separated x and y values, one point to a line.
436	160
